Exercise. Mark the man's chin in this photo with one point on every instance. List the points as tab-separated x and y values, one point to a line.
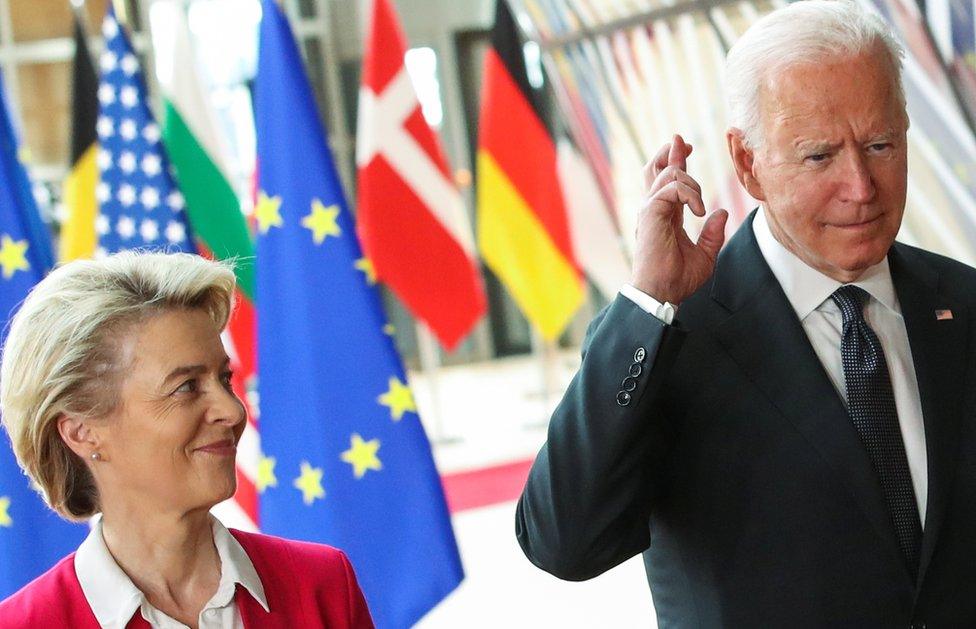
850	268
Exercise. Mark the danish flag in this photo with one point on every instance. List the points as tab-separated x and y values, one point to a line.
411	219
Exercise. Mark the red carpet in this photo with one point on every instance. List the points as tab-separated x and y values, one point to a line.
485	486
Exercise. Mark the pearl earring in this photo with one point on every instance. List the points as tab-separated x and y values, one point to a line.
95	456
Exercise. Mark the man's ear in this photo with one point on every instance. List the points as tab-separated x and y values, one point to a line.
77	434
742	161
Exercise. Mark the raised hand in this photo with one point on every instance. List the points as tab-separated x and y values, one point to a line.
668	266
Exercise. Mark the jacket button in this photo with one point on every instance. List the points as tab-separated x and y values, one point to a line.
635	370
623	398
629	384
639	355
917	625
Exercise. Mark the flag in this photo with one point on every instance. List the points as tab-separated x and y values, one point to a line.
411	217
595	236
32	537
523	230
77	238
214	212
346	461
139	203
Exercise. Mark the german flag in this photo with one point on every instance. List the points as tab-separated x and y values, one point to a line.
523	230
78	237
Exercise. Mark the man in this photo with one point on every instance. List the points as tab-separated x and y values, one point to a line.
785	428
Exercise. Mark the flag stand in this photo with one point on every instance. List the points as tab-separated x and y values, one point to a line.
430	365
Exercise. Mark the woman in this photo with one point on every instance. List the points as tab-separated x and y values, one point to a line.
115	390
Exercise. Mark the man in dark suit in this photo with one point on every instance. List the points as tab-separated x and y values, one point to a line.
785	429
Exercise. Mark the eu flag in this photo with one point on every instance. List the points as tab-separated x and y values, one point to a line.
346	460
32	537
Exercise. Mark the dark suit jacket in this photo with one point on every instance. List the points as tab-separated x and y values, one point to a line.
734	468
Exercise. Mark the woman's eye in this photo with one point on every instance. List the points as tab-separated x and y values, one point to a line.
226	378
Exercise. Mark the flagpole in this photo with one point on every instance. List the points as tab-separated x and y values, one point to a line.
121	11
544	352
430	365
78	8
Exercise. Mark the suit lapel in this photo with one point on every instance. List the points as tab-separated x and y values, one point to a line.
766	339
939	354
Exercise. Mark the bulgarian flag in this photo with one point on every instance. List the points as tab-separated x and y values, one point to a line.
214	210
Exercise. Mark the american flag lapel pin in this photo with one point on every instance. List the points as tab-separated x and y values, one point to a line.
943	315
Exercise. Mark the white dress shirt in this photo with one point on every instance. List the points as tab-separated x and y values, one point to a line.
114	598
808	291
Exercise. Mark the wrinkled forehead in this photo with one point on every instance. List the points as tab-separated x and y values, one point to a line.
860	89
152	346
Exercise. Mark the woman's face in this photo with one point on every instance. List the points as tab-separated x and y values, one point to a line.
172	439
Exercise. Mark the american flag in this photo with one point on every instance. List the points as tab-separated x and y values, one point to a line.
139	203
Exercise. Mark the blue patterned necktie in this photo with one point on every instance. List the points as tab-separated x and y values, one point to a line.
871	405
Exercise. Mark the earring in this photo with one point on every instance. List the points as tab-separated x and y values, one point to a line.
96	456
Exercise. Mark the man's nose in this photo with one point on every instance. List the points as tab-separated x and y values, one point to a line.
858	184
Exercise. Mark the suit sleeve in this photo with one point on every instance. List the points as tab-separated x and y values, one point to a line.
589	494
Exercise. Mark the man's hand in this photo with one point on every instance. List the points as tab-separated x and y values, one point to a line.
667	265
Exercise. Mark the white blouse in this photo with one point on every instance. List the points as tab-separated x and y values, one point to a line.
114	598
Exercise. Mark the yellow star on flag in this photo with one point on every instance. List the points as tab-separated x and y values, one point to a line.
366	266
310	483
266	476
389	329
268	212
5	519
362	455
399	398
12	257
322	221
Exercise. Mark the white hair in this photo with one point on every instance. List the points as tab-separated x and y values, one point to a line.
61	354
803	32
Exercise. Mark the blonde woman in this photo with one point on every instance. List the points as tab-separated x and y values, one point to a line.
115	391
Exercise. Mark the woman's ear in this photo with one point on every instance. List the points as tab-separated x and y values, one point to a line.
77	434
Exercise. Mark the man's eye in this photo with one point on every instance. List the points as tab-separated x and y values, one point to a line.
817	157
880	146
190	386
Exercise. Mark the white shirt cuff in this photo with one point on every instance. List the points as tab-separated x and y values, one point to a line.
664	312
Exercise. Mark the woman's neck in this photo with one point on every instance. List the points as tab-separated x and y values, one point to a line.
170	557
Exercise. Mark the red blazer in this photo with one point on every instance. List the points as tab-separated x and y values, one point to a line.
307	585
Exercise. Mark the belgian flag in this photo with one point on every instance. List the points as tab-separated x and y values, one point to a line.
523	229
78	238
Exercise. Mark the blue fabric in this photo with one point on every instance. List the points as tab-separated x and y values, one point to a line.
140	206
326	365
32	537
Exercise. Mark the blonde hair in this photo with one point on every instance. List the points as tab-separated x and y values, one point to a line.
61	357
800	33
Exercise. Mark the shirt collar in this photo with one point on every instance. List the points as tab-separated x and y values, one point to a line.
114	598
236	566
806	287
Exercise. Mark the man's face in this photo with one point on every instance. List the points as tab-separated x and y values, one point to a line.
832	169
